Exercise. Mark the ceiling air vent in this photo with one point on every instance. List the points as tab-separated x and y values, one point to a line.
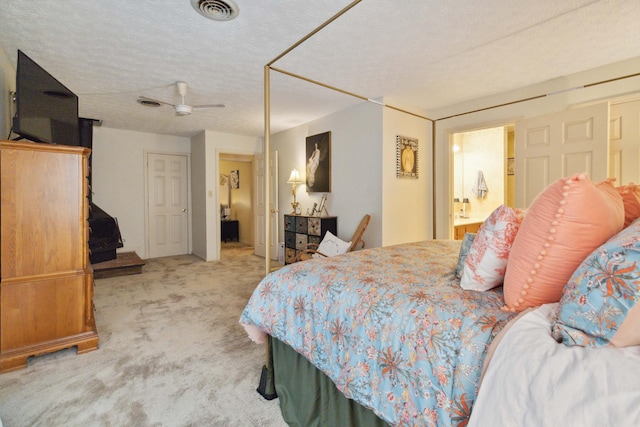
218	10
148	103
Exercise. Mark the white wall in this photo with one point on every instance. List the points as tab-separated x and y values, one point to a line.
199	216
356	162
7	84
510	113
119	181
118	174
363	169
209	145
407	211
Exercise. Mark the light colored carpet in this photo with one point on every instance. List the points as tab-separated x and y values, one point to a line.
171	353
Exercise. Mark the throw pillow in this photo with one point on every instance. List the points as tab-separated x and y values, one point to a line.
486	263
332	245
564	224
631	198
599	304
467	240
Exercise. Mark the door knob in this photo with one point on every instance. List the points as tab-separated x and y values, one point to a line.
184	210
274	211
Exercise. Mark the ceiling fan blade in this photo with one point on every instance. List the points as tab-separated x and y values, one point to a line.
206	106
144	98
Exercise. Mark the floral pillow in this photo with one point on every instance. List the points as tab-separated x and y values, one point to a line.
485	265
598	305
467	240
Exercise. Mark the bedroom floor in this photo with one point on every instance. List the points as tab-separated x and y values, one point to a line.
171	352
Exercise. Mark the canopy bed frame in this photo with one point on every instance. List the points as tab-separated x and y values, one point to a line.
267	386
267	114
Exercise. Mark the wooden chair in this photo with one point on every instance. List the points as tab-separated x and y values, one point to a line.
356	240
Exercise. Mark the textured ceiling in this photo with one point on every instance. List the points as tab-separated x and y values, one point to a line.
427	54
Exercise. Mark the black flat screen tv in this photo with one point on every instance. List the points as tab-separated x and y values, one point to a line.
46	110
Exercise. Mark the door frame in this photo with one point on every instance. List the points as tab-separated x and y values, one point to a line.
237	156
477	127
146	154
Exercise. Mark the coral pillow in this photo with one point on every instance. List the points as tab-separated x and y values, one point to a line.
599	304
486	262
631	199
564	224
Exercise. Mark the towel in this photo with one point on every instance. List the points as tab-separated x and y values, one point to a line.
479	188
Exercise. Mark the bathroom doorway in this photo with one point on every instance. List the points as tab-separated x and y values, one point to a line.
483	175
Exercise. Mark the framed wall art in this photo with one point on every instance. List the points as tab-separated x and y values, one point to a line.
406	157
234	179
318	177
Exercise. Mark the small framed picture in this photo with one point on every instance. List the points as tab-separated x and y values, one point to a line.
406	157
511	166
234	179
321	207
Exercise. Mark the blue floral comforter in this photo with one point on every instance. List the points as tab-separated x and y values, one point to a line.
390	326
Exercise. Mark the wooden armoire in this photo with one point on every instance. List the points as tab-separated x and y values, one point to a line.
46	286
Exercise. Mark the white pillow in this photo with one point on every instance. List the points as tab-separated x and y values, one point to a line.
486	262
332	246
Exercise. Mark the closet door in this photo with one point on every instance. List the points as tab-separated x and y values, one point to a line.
168	217
555	145
624	128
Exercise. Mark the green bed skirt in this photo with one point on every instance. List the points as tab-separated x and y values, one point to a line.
308	398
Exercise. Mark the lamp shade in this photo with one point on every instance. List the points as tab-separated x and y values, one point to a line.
295	178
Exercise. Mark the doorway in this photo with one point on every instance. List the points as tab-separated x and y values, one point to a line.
483	176
236	200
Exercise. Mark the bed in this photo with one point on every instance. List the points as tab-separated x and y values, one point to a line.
403	336
556	384
390	327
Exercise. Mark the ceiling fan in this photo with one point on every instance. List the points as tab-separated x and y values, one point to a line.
182	109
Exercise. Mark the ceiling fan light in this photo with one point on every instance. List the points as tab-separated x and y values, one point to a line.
183	110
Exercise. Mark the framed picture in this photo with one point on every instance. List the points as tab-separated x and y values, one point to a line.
224	191
234	179
321	207
406	157
319	163
511	166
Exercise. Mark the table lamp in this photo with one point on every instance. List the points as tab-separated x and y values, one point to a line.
294	179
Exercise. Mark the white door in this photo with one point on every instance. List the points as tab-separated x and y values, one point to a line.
273	204
167	201
624	132
259	173
260	238
555	145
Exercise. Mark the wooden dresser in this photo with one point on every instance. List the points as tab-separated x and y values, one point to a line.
46	286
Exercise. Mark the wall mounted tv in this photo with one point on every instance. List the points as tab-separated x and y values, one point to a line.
47	111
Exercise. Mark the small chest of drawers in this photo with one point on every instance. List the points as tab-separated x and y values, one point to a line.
300	231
